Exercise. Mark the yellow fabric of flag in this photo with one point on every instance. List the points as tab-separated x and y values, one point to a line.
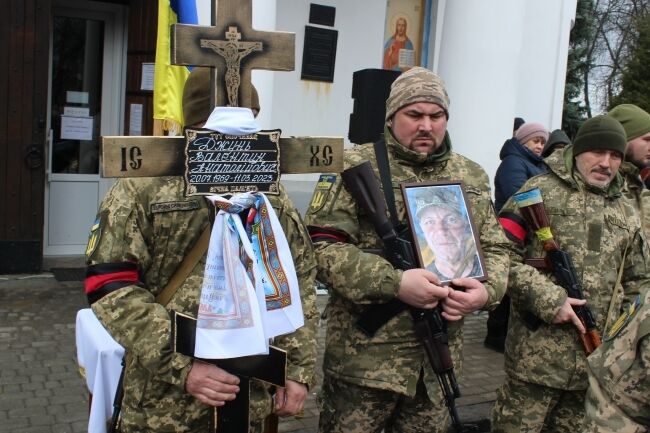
168	79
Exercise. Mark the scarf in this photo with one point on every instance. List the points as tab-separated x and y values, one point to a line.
250	289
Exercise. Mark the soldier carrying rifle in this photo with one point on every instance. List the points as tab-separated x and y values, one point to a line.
600	232
386	381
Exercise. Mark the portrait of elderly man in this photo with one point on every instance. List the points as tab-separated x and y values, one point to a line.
449	249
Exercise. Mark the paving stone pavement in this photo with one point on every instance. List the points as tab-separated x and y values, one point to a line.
41	390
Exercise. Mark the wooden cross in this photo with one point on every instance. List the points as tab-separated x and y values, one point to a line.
202	46
243	50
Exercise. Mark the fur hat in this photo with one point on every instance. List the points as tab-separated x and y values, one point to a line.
417	85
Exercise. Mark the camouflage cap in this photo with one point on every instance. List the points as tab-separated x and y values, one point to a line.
436	196
417	85
196	97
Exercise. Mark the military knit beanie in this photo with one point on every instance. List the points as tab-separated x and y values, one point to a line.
417	85
635	120
196	97
600	133
555	139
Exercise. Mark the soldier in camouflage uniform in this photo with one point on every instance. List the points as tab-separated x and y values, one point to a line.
618	398
144	228
546	368
636	123
385	381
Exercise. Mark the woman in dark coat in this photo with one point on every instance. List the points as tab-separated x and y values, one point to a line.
521	159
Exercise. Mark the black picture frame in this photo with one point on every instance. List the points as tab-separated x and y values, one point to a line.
444	234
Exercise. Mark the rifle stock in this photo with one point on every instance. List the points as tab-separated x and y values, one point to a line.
429	325
533	211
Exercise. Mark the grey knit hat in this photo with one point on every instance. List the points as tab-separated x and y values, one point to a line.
417	85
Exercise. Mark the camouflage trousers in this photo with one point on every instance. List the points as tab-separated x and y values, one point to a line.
348	408
523	407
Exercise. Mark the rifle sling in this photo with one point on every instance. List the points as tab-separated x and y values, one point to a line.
383	165
189	262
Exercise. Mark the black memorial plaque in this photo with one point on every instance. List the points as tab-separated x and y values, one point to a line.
319	54
322	15
223	164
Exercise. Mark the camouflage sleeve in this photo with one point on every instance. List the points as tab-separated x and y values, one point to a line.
130	314
530	290
301	345
494	244
358	276
635	272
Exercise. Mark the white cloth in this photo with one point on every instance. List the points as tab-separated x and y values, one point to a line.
100	360
239	312
232	121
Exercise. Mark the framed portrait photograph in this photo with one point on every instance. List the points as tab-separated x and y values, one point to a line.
443	231
403	33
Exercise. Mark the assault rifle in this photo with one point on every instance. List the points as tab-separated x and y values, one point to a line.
532	209
430	327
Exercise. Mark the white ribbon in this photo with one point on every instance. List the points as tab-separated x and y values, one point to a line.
240	311
232	121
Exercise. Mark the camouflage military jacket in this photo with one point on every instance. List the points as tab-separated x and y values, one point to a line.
393	358
640	195
595	227
618	399
148	225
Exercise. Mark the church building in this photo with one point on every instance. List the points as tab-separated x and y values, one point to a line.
72	71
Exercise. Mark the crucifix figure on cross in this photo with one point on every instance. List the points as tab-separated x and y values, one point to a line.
242	50
168	248
233	51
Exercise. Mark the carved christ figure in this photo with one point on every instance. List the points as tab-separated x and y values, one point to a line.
233	52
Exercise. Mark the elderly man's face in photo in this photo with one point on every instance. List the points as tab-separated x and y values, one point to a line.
445	231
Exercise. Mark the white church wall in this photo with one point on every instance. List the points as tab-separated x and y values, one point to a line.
481	42
542	63
264	18
301	107
499	59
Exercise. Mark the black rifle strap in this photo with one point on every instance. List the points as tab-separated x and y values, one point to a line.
383	165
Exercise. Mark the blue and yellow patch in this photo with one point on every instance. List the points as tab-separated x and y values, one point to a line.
321	192
624	319
93	239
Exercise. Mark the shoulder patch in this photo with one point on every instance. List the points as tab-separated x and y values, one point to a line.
624	319
321	192
171	206
93	238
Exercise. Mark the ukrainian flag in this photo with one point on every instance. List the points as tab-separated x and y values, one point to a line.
168	79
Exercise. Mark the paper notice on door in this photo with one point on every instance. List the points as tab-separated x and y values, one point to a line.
135	119
76	128
76	111
146	82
